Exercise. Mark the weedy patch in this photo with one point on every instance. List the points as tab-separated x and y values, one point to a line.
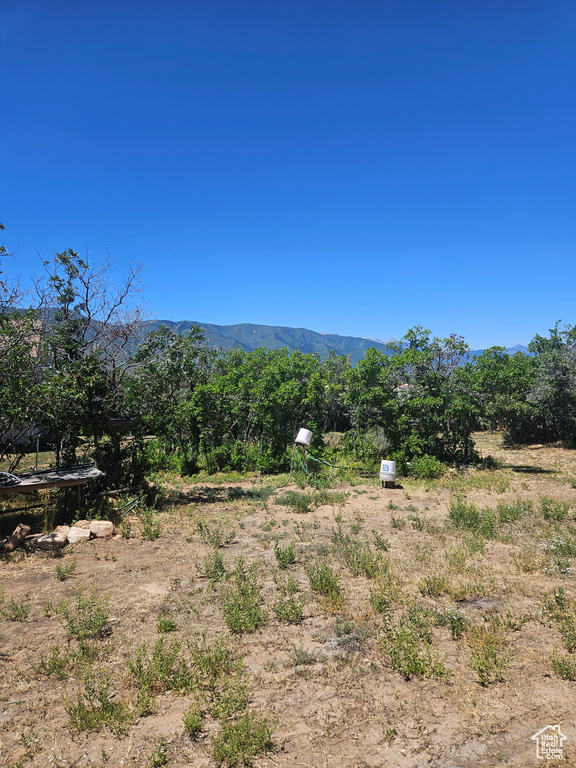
551	509
214	535
406	646
301	657
159	756
96	707
324	581
289	610
166	624
487	654
563	666
15	610
433	586
242	605
161	670
194	720
85	619
302	502
242	739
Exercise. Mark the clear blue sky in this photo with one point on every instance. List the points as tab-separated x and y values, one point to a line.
351	166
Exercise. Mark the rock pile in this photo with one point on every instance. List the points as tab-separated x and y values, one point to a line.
59	537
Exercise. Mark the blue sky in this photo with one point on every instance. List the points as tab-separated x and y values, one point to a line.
348	166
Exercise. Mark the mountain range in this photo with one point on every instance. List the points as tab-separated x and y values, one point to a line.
248	337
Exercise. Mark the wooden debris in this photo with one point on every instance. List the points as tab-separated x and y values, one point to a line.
17	538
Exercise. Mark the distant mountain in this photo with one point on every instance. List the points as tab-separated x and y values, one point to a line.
248	336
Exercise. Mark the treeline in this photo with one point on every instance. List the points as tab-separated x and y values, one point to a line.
66	367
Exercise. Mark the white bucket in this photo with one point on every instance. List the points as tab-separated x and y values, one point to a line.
304	437
388	470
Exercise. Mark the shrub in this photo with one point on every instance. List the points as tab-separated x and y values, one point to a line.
426	468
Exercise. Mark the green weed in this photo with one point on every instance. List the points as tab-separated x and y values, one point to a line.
165	624
64	572
87	618
289	610
406	645
194	720
159	756
15	610
242	605
433	586
300	656
324	581
95	708
151	529
380	542
214	567
564	666
486	654
241	740
161	670
285	556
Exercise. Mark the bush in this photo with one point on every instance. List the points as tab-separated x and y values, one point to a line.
426	468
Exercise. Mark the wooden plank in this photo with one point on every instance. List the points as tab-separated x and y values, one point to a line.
53	479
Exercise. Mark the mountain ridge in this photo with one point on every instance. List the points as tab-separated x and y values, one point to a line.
250	336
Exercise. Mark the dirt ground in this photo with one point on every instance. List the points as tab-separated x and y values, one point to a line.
347	706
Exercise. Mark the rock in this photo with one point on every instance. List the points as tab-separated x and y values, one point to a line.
101	529
54	540
83	524
62	529
76	534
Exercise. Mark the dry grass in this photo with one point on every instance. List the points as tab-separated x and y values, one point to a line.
441	647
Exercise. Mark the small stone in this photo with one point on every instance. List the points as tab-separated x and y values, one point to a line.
76	534
101	529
